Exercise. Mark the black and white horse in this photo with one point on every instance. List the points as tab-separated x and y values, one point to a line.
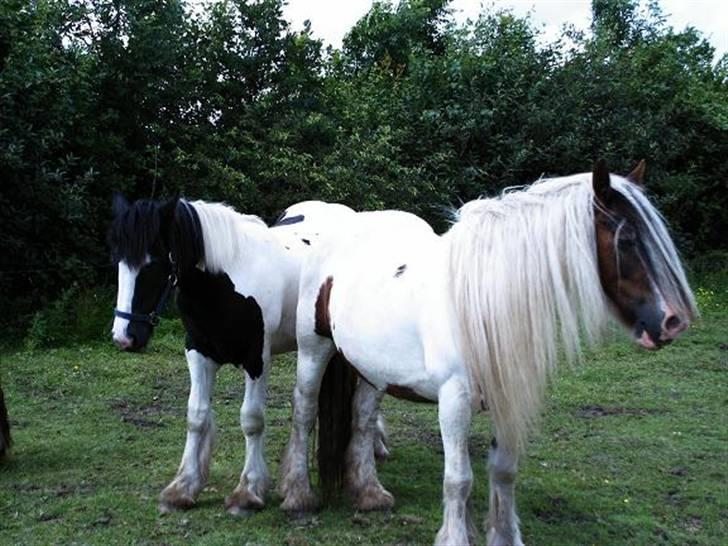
237	282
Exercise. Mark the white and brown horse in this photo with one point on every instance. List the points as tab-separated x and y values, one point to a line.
475	319
237	291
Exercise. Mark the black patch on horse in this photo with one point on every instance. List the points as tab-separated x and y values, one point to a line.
306	242
221	324
400	270
288	221
322	317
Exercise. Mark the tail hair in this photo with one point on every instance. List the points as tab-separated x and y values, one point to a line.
334	424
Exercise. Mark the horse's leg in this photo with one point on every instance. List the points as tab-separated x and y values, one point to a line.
193	469
502	522
313	356
361	473
381	440
454	414
254	480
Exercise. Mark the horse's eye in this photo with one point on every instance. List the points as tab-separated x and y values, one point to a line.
627	238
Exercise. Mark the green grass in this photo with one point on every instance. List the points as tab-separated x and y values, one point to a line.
633	449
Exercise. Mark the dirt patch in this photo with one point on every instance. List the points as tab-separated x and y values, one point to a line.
60	490
143	415
413	429
554	512
592	411
693	524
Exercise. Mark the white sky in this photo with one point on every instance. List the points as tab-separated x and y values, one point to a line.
332	19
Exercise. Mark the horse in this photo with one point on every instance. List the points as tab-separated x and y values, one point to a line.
5	440
237	285
476	319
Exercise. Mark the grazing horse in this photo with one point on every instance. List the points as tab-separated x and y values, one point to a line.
476	319
237	282
5	440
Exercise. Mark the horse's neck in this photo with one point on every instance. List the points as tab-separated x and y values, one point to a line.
231	240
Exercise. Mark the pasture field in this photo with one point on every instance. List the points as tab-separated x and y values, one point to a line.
633	449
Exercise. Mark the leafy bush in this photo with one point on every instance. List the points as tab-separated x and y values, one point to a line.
79	315
225	102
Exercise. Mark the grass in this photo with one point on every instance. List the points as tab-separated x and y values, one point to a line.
633	449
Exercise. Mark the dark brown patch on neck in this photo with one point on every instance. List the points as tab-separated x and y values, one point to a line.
322	325
406	393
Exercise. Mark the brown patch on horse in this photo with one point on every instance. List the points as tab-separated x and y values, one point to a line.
621	270
322	324
406	393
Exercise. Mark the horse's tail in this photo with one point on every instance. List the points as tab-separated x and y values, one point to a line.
334	423
4	426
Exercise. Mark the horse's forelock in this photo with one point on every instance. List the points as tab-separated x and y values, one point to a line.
662	256
135	232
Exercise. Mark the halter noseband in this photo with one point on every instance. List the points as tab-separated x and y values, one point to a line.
153	317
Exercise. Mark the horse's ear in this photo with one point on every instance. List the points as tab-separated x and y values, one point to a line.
600	181
119	203
638	174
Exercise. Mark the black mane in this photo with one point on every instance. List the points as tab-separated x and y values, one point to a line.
140	230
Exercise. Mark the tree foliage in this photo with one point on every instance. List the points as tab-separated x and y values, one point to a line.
224	101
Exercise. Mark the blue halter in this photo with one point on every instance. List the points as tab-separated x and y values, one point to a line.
153	317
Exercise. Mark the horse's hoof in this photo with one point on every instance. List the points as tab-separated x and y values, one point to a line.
167	506
243	502
450	537
301	505
496	539
373	498
174	499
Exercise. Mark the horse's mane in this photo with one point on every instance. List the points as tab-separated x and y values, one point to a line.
526	288
211	234
225	232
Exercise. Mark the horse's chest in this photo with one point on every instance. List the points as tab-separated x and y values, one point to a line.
221	323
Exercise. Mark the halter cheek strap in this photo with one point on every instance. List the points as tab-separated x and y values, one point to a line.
153	317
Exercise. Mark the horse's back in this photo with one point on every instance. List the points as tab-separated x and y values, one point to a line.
317	211
376	274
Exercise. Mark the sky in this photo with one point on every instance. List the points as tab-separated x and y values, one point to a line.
332	19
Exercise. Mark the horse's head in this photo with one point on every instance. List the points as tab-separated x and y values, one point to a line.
140	242
639	268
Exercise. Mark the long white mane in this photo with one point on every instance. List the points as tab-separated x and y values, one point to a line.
526	289
226	233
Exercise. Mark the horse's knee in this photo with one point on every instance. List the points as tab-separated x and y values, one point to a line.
458	487
252	422
198	418
503	467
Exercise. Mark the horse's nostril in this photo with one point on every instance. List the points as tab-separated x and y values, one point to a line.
672	323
